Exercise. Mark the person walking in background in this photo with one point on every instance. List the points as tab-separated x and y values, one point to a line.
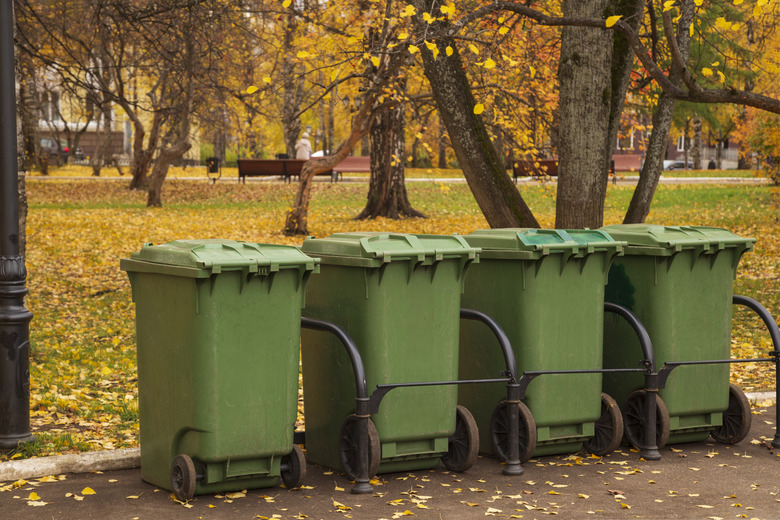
303	147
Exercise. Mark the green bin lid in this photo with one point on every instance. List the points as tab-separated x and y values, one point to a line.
377	248
535	243
202	258
665	240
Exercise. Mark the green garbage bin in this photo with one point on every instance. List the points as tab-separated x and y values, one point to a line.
398	298
218	331
678	283
546	290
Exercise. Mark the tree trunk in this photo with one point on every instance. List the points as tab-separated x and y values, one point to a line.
651	171
102	142
686	143
696	151
297	219
622	65
386	190
584	74
292	87
719	151
496	195
142	159
160	171
650	174
442	145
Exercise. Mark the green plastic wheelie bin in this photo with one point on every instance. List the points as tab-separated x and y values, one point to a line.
218	333
677	280
398	297
546	290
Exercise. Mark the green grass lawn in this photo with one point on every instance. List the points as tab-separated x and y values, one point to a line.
83	369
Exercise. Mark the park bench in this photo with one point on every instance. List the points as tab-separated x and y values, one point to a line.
547	167
284	168
353	164
626	162
620	163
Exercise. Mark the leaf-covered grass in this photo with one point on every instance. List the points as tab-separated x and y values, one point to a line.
83	367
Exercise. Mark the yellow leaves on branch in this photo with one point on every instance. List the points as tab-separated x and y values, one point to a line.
433	48
408	11
448	10
612	20
479	108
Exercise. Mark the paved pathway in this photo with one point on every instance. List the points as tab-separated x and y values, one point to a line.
700	480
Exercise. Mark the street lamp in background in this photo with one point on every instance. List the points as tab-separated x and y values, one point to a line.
14	317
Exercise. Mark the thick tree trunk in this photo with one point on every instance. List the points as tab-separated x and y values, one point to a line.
142	159
584	74
387	191
496	195
160	171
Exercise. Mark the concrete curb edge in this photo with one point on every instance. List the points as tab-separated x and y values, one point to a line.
76	463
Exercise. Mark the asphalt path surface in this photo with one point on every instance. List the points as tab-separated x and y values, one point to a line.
702	480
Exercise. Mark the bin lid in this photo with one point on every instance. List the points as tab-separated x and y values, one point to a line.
661	240
530	244
372	249
202	258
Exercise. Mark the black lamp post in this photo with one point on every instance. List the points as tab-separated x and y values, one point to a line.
14	317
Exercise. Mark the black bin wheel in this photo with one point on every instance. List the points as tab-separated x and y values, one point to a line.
736	419
463	445
634	419
348	446
499	431
183	477
294	468
608	428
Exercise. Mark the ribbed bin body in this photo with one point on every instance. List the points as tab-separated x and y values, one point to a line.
678	282
218	330
398	297
545	288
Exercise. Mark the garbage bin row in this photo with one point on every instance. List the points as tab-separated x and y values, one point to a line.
421	349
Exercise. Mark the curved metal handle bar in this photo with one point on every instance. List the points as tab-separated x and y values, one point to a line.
641	332
767	318
774	332
498	332
354	355
362	478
